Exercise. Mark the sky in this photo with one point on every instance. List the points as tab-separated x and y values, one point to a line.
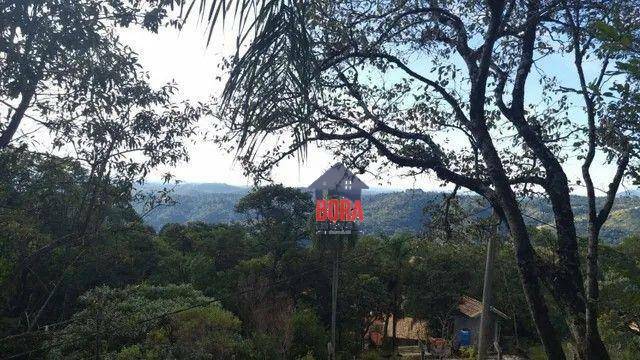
183	57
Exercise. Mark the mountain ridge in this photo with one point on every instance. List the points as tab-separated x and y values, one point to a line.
386	212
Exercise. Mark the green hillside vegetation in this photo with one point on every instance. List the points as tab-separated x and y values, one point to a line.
387	213
256	289
514	104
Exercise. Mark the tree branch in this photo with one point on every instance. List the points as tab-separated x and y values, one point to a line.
448	97
603	214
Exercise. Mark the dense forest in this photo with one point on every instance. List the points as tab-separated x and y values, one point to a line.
528	112
256	288
387	211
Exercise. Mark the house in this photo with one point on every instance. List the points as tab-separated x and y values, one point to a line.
339	182
408	331
466	322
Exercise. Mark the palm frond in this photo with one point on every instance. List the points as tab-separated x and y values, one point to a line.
270	76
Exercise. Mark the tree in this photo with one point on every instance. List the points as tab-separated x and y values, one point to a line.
61	49
66	63
45	263
396	269
115	147
439	278
631	246
309	336
128	324
278	218
614	135
620	299
405	80
80	203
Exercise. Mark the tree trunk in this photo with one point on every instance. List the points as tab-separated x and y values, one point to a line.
16	118
334	303
595	349
395	322
525	255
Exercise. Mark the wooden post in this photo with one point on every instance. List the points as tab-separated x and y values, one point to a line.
485	320
394	334
496	339
98	332
334	299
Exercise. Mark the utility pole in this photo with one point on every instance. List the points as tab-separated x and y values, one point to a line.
487	294
334	298
334	191
98	333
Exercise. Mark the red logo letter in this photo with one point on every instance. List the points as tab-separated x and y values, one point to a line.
345	206
321	208
333	209
357	211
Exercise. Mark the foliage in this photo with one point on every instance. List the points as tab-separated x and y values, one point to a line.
621	36
263	308
60	50
129	321
44	229
620	296
631	247
438	278
468	352
199	254
443	88
279	218
623	344
309	335
419	277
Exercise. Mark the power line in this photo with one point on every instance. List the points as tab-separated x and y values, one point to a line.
382	246
181	310
44	328
539	220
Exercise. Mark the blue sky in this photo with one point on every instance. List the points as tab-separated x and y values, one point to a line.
183	57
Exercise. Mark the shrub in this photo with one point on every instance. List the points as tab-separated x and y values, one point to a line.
132	326
309	336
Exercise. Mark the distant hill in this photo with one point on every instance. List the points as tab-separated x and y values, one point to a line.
385	212
198	188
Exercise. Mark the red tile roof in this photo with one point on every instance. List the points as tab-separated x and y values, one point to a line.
473	308
470	306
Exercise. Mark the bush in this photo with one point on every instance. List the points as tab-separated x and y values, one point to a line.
371	355
309	336
620	343
468	352
132	326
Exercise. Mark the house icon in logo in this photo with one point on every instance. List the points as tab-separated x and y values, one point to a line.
338	182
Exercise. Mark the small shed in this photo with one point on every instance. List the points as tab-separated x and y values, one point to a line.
338	182
467	321
408	330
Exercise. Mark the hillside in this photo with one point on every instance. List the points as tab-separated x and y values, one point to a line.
385	212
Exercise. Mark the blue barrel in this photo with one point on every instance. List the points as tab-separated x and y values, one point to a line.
465	337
